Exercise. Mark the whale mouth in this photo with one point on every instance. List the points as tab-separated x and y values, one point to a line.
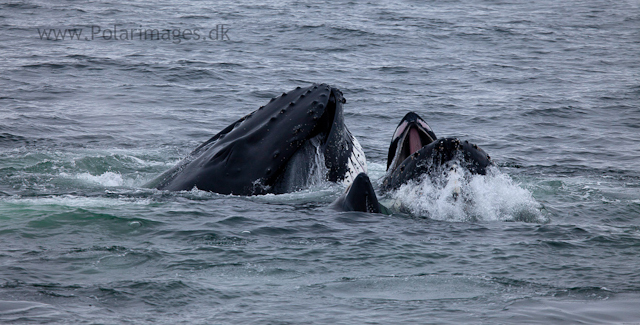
411	135
414	141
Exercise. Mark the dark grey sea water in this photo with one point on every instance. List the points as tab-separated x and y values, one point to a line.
550	89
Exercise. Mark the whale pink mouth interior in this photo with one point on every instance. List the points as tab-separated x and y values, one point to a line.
414	141
412	137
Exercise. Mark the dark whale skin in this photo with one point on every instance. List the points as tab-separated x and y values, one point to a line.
249	156
431	157
360	196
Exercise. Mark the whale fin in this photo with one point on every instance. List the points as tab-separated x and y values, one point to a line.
360	196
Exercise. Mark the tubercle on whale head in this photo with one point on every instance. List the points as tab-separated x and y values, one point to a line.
411	134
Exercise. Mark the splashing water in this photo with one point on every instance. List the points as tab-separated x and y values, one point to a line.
319	169
305	169
457	195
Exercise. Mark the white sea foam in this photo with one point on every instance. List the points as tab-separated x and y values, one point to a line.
460	196
105	179
75	201
315	193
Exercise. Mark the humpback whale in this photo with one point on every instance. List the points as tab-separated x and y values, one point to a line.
275	149
415	151
360	196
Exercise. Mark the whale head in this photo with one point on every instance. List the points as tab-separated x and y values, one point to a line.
415	151
411	135
275	149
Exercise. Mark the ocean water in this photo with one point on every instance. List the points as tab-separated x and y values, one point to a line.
551	90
